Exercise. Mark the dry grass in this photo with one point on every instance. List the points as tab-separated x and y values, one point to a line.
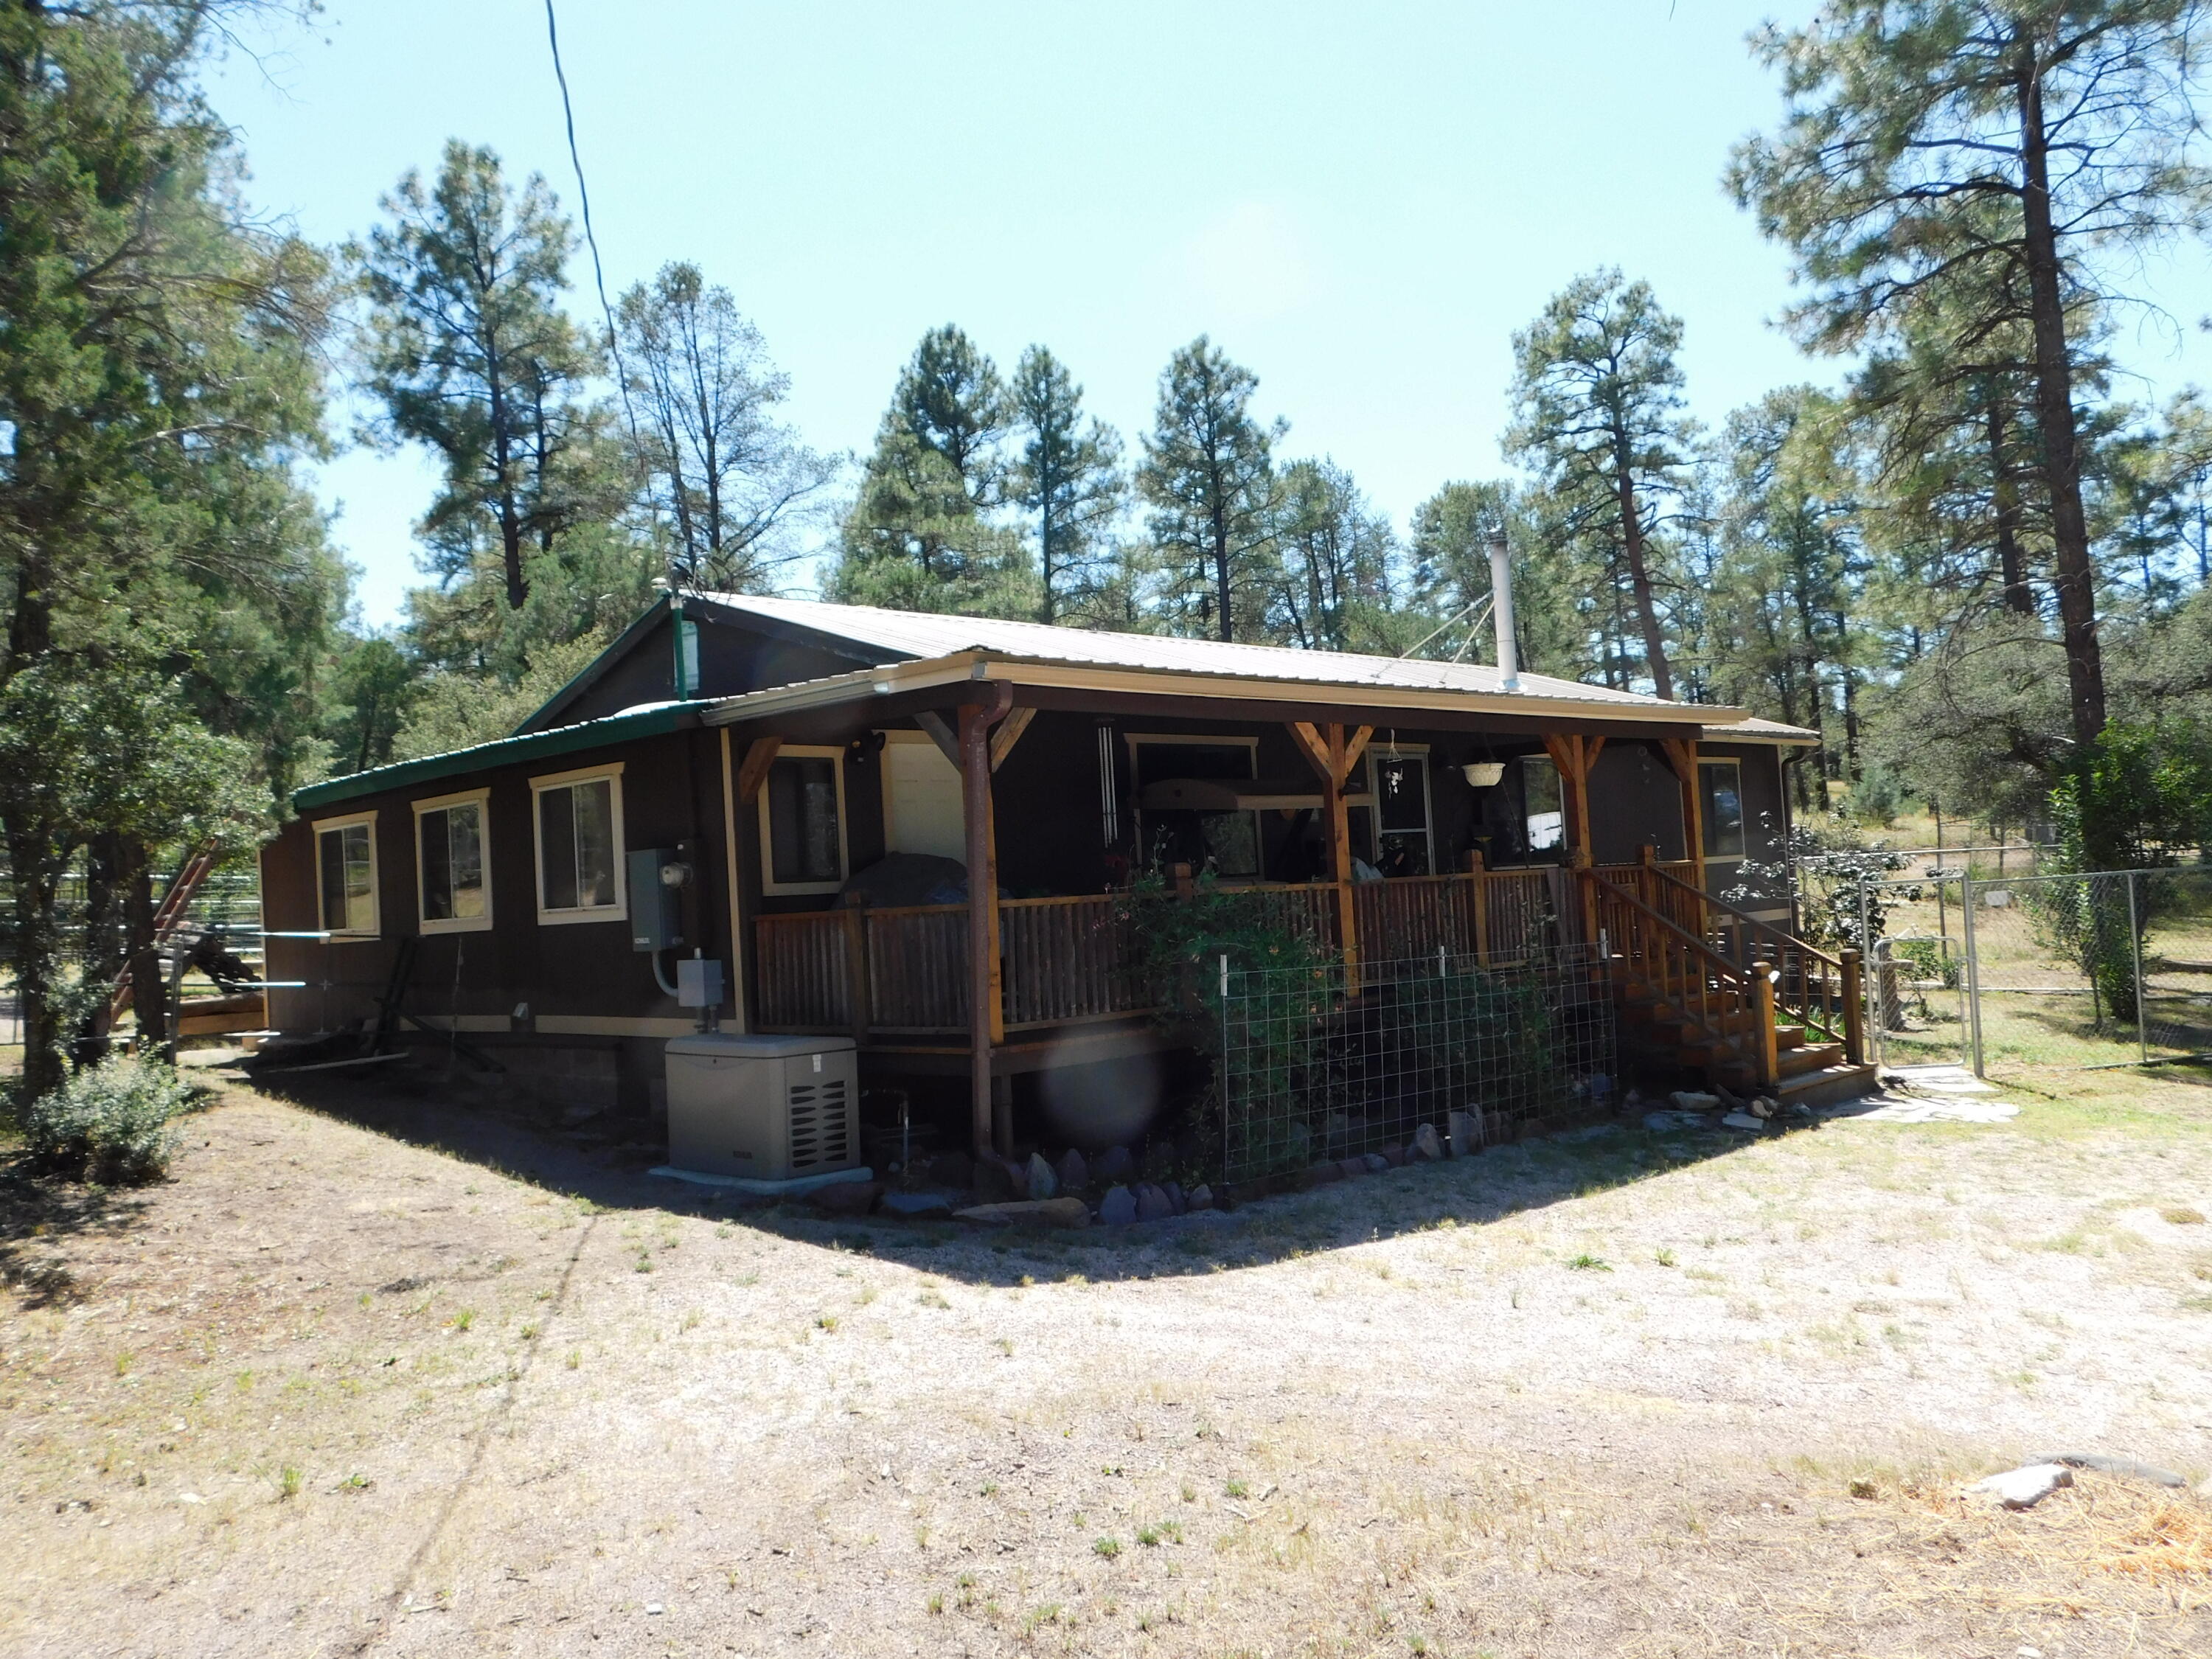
329	1392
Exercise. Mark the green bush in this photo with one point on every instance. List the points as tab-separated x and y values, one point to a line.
114	1122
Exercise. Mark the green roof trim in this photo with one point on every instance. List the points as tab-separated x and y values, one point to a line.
650	723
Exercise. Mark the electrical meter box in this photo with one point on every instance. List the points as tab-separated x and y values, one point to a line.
769	1108
656	907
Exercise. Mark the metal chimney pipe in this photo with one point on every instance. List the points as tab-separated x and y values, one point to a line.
1501	610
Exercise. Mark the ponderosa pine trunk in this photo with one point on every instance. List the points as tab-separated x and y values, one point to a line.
2004	495
1639	575
2073	578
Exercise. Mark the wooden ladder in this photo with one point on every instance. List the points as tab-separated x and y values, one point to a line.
167	920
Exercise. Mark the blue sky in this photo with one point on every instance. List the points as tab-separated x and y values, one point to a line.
1360	203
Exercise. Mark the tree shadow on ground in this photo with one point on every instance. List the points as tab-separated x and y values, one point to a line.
1475	1191
39	1216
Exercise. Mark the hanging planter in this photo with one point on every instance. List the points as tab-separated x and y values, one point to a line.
1484	775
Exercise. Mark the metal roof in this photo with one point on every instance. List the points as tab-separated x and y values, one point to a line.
649	719
1755	729
907	633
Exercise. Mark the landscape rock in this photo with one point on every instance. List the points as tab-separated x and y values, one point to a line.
1394	1156
953	1170
1200	1197
1037	1212
1465	1129
2023	1488
1689	1100
1074	1174
1039	1178
1115	1165
995	1181
1427	1144
1353	1168
1174	1193
1152	1203
1763	1107
1741	1120
1118	1208
1374	1163
1322	1174
917	1206
847	1197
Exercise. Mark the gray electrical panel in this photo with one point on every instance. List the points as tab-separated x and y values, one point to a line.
656	909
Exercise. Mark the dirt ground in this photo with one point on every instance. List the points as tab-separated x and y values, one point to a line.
374	1374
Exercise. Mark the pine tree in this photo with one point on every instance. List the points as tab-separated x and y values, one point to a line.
1973	153
1597	402
1335	559
729	478
1069	478
468	352
1208	474
923	534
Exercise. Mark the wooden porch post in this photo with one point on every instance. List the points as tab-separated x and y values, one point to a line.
1573	754
1682	755
985	1010
1334	755
1478	889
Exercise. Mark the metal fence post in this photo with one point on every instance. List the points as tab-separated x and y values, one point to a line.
1973	967
2135	942
1870	986
1226	1088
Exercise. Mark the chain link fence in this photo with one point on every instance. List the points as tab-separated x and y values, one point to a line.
2107	968
1308	1072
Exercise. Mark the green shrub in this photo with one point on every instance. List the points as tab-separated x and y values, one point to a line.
112	1122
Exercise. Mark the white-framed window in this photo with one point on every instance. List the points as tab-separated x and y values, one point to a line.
345	876
1722	782
802	821
1228	842
578	825
1543	805
452	863
1404	843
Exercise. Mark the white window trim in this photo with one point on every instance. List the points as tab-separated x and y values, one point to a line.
480	799
1418	751
619	910
319	828
770	884
1705	796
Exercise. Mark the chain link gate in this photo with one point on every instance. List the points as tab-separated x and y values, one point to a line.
2105	968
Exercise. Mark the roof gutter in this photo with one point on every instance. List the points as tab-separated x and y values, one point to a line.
891	678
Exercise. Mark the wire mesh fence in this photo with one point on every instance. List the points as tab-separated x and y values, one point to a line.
2103	968
1307	1073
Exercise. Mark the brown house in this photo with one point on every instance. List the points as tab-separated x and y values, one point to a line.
812	783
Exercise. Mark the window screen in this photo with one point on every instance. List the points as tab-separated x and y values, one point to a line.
576	848
1401	802
805	840
347	856
451	840
1723	808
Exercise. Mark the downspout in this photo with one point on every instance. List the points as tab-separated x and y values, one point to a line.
976	724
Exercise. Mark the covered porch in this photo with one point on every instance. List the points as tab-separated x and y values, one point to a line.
1021	980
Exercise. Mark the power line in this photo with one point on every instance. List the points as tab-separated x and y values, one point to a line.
591	239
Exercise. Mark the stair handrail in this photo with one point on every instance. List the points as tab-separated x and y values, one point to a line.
1834	1016
1752	987
1778	934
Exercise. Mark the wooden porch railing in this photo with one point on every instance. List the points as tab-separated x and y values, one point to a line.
1732	1007
904	970
1813	990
